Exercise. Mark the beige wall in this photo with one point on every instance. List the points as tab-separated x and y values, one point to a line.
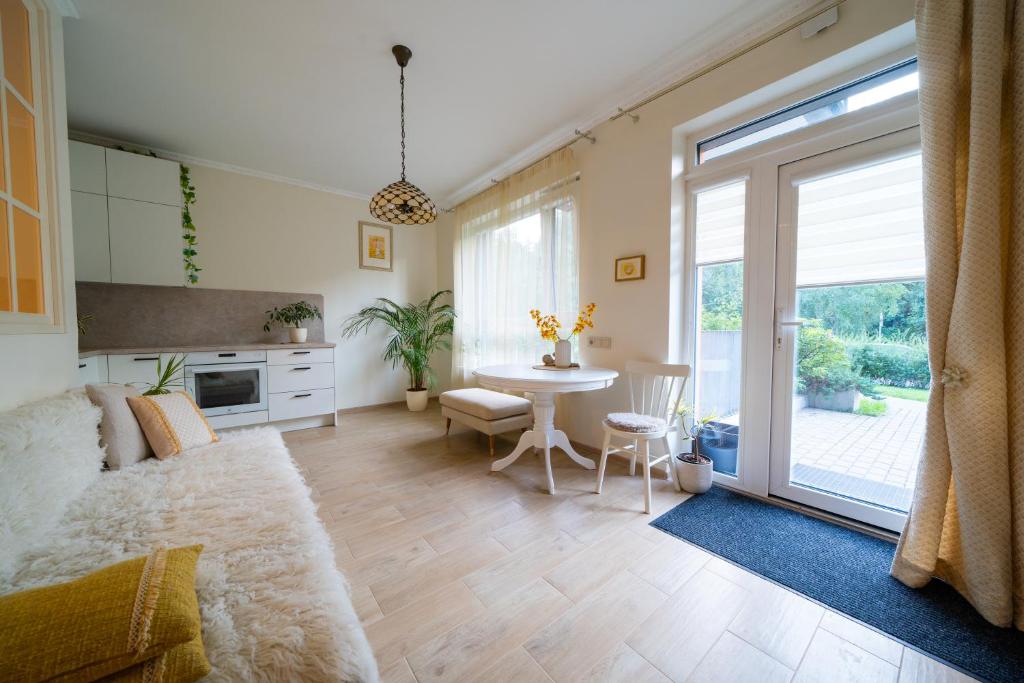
36	365
626	198
263	235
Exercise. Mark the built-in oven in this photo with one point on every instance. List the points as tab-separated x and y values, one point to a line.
227	382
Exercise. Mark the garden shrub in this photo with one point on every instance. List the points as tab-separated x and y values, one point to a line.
893	364
823	366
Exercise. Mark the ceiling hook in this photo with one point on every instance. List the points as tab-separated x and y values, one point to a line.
635	117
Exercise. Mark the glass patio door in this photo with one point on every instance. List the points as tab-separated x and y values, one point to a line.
850	373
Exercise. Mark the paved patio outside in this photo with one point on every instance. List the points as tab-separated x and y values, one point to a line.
873	459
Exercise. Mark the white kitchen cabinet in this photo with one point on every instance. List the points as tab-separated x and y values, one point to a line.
143	178
138	369
284	378
297	404
145	243
92	370
126	217
91	236
300	356
88	167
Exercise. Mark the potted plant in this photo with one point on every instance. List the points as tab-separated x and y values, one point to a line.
292	316
694	469
416	332
825	375
549	326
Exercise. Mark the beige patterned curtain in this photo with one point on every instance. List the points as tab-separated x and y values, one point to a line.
966	525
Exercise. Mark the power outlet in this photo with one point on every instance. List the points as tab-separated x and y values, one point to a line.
599	342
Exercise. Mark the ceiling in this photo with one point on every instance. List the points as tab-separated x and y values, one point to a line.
309	90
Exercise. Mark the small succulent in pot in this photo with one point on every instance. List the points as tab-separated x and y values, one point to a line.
292	316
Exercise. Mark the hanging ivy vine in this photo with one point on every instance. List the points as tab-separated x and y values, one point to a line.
188	196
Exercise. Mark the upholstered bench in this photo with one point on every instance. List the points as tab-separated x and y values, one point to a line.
490	412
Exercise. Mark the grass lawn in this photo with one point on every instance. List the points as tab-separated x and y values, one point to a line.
903	392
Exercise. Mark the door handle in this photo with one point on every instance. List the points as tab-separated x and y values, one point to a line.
780	325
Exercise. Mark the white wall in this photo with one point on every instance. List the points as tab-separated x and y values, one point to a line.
258	234
626	201
36	365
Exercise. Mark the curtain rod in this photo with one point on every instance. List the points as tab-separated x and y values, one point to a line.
628	111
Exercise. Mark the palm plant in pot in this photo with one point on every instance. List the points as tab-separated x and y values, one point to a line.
292	316
416	331
694	469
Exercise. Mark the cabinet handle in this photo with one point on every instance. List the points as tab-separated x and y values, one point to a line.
226	355
302	395
300	353
147	358
81	365
300	369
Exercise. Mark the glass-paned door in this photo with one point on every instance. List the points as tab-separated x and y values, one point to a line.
850	376
719	222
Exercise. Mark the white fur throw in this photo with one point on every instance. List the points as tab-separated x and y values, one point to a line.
274	606
633	422
49	455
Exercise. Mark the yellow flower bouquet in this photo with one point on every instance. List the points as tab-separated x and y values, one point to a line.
549	325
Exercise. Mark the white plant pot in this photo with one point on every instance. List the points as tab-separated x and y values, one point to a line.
297	335
416	399
563	353
694	477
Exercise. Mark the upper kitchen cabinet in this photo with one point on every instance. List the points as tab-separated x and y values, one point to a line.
143	178
88	168
126	213
91	235
145	243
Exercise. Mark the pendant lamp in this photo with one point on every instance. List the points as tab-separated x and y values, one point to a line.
402	202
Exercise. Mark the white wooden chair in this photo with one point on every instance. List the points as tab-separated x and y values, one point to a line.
655	391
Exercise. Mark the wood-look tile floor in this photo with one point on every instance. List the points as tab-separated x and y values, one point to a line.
460	574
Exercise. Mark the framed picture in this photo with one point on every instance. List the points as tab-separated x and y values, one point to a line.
629	268
376	247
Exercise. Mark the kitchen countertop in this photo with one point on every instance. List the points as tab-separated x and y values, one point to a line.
199	349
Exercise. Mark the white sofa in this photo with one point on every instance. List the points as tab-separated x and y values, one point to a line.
274	606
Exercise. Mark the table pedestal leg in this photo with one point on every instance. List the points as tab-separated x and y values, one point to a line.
543	436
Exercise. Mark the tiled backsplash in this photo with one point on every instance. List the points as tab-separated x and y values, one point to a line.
130	316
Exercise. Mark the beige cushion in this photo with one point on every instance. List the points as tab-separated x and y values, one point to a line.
120	432
172	422
487	405
633	422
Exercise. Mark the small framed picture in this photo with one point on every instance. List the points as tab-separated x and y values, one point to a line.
376	247
629	268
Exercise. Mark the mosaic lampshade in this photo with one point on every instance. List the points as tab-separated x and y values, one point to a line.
403	203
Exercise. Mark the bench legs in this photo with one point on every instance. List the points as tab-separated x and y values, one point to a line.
447	425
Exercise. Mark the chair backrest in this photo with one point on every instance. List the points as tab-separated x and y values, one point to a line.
656	389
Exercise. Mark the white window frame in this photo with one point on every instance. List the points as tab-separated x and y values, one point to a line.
52	319
760	164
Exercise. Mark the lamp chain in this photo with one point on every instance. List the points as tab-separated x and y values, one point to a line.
401	85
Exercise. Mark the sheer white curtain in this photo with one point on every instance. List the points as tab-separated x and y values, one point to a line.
515	250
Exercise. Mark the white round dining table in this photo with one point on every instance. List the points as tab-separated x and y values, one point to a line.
544	384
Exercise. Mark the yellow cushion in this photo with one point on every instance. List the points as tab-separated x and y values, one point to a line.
181	664
171	422
101	623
